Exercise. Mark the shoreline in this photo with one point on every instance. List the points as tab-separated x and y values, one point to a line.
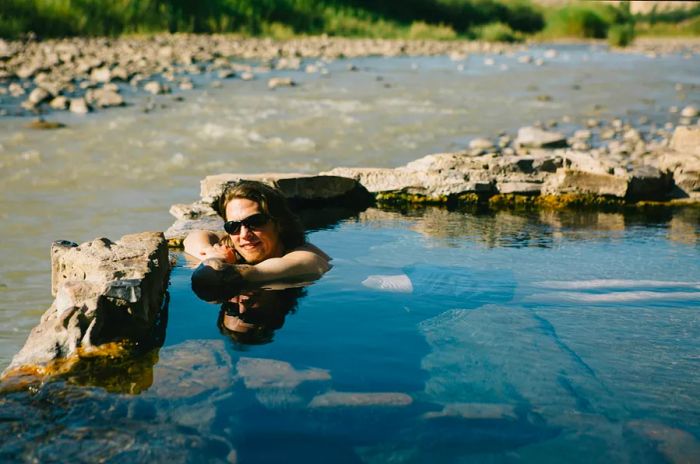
86	74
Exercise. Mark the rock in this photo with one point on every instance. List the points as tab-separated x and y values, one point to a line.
105	291
525	59
79	106
192	368
155	88
353	399
648	183
675	445
632	135
105	98
16	90
192	211
377	180
38	96
475	411
583	134
275	82
689	112
59	103
686	140
247	76
295	187
532	137
177	232
566	181
225	73
259	373
481	144
520	188
101	75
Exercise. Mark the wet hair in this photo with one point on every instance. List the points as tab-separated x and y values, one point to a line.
266	320
272	203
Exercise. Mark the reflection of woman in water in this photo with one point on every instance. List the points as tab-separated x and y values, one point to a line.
263	240
252	317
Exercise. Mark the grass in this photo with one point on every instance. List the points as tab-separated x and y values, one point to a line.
491	20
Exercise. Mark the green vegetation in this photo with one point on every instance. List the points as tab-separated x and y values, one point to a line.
492	20
678	22
420	19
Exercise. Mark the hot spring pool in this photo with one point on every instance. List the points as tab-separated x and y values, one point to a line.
438	336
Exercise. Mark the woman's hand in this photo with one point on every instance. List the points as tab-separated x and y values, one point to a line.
218	251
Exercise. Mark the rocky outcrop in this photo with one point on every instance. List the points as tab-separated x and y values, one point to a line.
301	190
526	174
104	292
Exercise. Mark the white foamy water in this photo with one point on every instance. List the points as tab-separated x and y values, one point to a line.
118	171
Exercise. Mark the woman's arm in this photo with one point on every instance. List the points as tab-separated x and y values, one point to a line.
305	262
203	244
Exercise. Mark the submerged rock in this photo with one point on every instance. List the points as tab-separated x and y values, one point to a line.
354	399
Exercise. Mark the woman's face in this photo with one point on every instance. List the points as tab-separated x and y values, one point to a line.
253	244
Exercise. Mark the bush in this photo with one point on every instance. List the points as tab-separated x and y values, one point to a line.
621	35
496	32
578	21
421	30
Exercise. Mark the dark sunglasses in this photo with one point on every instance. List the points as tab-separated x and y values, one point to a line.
254	222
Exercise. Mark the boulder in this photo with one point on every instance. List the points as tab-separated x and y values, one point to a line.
532	137
686	140
566	181
105	291
301	188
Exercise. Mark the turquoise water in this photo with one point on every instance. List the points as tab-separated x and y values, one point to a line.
437	336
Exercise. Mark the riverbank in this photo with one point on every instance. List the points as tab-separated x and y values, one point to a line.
82	75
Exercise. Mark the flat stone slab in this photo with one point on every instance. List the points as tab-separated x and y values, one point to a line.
355	399
293	186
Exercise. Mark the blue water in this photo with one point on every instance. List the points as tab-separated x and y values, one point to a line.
539	337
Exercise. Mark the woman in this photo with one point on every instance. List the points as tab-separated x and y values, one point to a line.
263	239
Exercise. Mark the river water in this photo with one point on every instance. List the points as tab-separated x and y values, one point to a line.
118	171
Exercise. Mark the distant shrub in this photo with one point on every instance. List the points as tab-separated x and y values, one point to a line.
621	35
421	30
580	21
496	32
523	17
278	31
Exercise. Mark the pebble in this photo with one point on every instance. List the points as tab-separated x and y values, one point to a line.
38	96
79	106
275	82
481	144
689	112
59	103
